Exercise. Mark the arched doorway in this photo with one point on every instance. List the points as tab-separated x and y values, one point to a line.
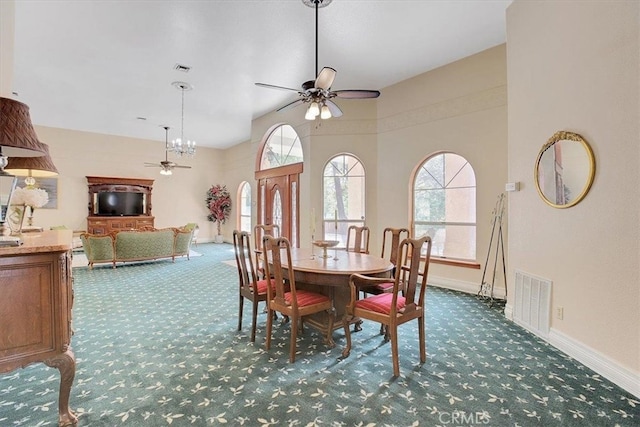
278	168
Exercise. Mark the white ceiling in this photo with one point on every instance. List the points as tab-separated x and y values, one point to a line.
98	65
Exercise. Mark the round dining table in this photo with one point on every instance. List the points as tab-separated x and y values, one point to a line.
330	276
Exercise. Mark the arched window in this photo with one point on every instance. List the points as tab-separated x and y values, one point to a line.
444	205
281	148
244	210
344	191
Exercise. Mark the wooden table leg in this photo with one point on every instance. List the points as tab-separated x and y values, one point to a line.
66	364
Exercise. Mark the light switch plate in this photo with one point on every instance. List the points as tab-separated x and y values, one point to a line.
512	186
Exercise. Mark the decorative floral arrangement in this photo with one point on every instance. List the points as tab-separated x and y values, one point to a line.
219	204
30	196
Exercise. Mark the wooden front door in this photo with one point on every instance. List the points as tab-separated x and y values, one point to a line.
278	193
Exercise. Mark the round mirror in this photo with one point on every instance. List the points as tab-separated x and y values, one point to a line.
564	170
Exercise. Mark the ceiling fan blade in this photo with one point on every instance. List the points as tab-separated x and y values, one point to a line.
325	78
182	167
335	110
356	94
291	105
268	86
152	165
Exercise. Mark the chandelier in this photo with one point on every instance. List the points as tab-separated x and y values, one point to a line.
181	146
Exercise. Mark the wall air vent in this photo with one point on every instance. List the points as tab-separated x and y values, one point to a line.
532	305
181	67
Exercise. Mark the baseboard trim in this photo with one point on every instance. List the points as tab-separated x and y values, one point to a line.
462	286
601	364
596	361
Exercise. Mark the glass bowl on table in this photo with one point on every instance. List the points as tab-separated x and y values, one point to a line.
324	244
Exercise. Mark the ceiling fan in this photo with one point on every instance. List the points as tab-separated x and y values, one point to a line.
166	165
317	93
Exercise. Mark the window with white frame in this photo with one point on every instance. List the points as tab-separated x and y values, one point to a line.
281	148
244	213
444	205
344	197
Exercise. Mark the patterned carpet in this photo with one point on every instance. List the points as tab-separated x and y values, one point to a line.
156	345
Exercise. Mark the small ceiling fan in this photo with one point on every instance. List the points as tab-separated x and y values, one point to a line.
166	165
317	93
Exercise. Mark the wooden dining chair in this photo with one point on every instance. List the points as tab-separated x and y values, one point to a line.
259	231
391	238
358	239
285	298
404	303
250	287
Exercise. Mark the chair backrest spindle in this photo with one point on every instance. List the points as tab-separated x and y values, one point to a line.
246	270
396	235
360	241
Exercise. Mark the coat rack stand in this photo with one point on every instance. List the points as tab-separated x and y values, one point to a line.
486	287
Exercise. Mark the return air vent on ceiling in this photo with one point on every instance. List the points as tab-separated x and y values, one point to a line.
532	303
181	67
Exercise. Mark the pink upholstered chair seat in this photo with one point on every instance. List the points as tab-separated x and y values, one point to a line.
262	286
306	298
382	287
380	303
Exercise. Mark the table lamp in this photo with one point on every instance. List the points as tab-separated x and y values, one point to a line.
17	138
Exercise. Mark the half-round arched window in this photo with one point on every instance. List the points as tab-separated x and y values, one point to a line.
282	147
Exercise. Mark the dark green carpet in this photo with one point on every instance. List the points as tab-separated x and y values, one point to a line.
156	345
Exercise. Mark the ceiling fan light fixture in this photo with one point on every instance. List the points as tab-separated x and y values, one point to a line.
318	93
166	167
325	113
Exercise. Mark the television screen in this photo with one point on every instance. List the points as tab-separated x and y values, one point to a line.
120	203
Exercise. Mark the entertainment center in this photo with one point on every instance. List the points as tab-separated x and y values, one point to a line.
117	204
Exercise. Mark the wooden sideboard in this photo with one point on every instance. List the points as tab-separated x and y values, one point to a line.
105	225
35	309
101	224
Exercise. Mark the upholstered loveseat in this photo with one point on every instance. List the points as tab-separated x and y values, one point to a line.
136	245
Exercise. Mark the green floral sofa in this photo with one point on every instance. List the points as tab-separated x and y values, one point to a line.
136	245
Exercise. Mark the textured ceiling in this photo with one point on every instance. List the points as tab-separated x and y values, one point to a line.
99	65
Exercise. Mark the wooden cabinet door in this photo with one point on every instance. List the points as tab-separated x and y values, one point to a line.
34	308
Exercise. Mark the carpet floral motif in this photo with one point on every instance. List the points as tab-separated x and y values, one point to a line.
156	345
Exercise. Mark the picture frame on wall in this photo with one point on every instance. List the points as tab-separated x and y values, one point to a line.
50	185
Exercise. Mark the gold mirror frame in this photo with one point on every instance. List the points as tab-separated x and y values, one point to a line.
555	139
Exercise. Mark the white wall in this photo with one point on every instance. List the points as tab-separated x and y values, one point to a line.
575	66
